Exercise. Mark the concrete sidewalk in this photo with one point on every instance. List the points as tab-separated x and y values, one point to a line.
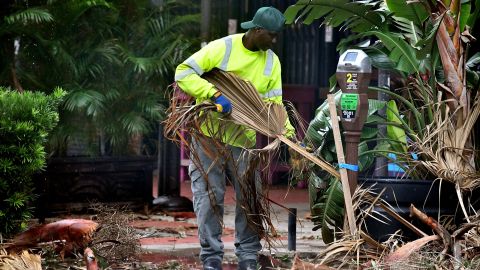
175	238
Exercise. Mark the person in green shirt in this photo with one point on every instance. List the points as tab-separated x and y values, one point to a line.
249	56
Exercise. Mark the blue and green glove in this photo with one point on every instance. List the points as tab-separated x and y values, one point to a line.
223	104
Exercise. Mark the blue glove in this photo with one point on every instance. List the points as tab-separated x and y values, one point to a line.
222	103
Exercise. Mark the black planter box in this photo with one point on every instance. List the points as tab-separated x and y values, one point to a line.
437	200
72	184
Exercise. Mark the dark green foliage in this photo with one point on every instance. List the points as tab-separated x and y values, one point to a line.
25	122
327	211
115	59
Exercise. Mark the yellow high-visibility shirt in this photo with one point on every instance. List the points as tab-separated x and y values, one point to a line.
261	68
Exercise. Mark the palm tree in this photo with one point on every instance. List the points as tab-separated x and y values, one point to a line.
18	25
115	58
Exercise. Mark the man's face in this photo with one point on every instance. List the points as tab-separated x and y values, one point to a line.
265	39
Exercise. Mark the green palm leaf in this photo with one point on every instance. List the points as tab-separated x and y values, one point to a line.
410	10
378	57
473	61
73	10
91	100
395	132
330	211
409	30
465	14
427	43
400	51
472	18
134	123
357	16
28	16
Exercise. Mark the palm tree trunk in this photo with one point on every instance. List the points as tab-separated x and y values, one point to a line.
450	62
16	82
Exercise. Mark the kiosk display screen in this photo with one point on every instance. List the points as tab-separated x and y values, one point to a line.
350	57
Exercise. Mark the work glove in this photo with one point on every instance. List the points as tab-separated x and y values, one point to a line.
223	104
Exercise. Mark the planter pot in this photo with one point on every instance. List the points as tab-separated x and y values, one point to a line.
72	184
437	201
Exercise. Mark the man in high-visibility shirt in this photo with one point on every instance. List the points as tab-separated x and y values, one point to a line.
250	57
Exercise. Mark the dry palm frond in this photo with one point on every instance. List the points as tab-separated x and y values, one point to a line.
248	108
360	248
406	250
23	261
251	111
298	264
447	151
186	120
446	148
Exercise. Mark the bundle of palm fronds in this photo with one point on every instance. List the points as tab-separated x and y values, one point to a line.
22	261
249	111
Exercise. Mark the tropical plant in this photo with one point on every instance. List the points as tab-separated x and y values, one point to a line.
128	99
427	43
326	196
17	23
116	58
25	122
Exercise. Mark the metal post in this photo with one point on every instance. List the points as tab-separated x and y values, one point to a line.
292	228
381	168
160	164
206	9
352	139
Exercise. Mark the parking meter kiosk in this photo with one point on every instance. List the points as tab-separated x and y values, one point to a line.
353	75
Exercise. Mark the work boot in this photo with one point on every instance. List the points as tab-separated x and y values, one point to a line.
212	264
247	265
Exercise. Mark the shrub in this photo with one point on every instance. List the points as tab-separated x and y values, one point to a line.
25	121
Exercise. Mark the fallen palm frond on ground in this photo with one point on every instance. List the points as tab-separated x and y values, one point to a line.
186	121
22	261
442	250
63	242
66	236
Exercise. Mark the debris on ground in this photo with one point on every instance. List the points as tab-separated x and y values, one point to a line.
66	243
442	250
23	261
115	240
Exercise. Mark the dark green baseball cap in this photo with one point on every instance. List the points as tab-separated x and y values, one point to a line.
269	18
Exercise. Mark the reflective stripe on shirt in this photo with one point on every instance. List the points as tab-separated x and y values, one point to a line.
228	51
191	62
194	68
184	74
272	93
269	64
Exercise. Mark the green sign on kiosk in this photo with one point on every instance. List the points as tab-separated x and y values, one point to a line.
348	106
